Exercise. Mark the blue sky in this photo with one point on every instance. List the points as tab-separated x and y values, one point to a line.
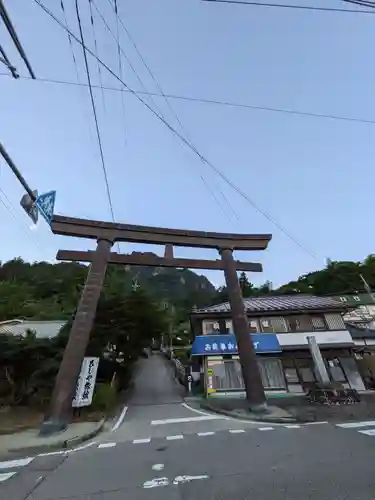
313	175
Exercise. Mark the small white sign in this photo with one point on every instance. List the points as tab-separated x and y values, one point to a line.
86	383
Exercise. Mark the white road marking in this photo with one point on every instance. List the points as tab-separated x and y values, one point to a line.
139	441
356	425
316	423
83	447
236	431
183	420
158	481
206	433
293	426
120	419
10	464
187	479
107	445
266	428
158	467
51	453
370	432
172	438
5	476
200	411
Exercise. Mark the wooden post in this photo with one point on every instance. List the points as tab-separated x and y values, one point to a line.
249	365
60	413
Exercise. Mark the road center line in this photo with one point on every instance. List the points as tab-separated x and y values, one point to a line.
266	428
206	433
184	420
236	431
172	438
139	441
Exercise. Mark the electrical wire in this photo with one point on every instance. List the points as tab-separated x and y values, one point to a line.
290	6
96	51
362	3
208	101
13	34
70	41
120	68
5	60
172	110
94	109
127	59
175	132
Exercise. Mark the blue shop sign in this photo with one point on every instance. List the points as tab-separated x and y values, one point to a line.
206	345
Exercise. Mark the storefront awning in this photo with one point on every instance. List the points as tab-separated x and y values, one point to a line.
206	345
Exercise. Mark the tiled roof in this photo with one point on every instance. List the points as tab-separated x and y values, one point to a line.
280	303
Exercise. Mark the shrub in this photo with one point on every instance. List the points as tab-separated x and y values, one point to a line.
104	397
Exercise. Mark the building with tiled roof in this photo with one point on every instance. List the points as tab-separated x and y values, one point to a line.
280	327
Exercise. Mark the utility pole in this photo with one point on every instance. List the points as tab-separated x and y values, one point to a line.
29	199
249	365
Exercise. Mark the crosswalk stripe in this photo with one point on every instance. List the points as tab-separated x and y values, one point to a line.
266	428
356	425
139	441
107	445
185	420
11	464
206	433
370	432
172	438
293	426
236	431
6	475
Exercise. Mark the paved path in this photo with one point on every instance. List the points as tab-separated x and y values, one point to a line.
312	462
164	450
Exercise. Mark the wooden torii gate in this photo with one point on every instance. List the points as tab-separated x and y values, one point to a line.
106	234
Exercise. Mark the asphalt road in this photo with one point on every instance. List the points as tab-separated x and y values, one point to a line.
180	457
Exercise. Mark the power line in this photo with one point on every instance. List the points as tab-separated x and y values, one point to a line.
182	127
291	6
185	141
70	41
96	51
94	108
366	3
208	101
13	34
120	68
5	60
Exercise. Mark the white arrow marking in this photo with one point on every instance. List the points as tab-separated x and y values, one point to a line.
154	483
187	479
158	467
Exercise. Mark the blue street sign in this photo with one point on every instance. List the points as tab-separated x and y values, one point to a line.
46	204
209	345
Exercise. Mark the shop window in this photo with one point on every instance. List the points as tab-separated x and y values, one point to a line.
336	371
300	323
271	373
318	323
334	321
253	326
273	324
229	326
210	328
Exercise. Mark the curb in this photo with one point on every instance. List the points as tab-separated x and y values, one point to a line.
251	418
63	444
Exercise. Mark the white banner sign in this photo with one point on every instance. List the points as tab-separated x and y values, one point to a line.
86	383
